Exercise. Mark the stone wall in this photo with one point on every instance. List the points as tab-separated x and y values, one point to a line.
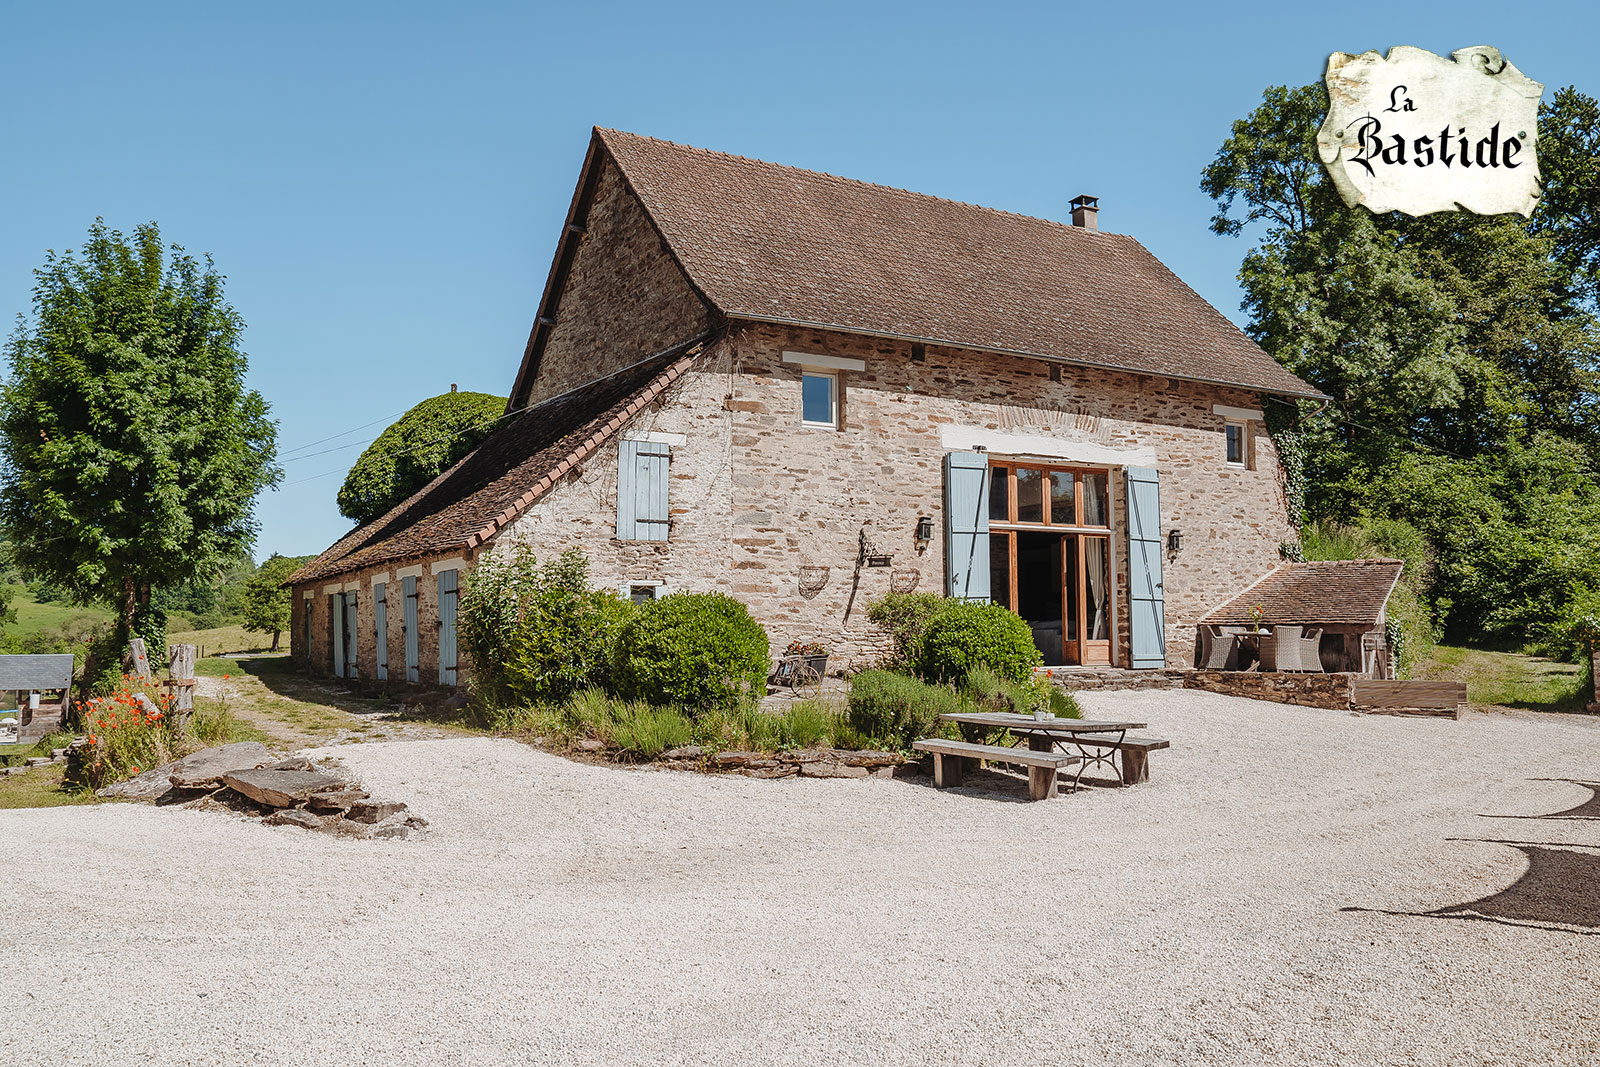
1309	690
805	494
318	658
625	299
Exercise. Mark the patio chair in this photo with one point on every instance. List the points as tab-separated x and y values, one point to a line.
1292	649
1221	650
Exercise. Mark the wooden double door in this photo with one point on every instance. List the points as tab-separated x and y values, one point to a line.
1050	557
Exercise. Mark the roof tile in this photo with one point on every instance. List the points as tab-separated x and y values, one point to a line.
1345	592
772	242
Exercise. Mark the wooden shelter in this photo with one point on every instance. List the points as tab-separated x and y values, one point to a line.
1341	605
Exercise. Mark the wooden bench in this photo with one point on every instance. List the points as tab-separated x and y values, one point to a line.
949	759
1133	750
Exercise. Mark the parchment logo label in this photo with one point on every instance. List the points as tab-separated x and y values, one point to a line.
1419	133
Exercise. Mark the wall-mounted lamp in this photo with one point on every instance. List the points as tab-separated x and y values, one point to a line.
1174	543
924	532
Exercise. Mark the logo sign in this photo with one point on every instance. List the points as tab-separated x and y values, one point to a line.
1419	133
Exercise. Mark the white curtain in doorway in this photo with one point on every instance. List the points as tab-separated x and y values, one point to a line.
1094	551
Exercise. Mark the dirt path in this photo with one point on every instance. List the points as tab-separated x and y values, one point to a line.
295	711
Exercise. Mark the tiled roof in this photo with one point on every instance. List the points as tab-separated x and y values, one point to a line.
776	243
1346	592
496	481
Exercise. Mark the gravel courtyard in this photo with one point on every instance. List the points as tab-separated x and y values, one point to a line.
1261	900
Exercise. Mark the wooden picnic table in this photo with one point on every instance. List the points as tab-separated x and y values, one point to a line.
1053	731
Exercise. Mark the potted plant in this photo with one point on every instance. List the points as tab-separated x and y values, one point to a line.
815	653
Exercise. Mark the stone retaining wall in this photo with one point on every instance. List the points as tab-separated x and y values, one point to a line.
1308	690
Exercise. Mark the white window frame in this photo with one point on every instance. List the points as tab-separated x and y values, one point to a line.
1243	462
833	398
658	589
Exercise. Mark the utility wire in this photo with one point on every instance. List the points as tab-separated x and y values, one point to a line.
404	451
312	444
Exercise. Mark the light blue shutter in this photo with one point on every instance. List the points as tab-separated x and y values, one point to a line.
352	627
380	627
642	491
336	631
449	585
1147	621
408	593
966	525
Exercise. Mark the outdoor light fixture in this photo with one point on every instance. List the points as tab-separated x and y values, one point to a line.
924	532
1174	542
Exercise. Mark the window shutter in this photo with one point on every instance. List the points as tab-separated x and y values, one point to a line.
352	627
642	490
336	631
449	585
380	627
408	593
966	525
1147	620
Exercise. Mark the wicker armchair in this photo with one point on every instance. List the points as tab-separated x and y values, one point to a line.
1292	648
1220	651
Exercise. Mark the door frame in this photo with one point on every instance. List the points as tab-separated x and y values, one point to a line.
1088	653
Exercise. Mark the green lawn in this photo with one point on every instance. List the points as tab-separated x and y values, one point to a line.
225	640
41	787
33	616
1510	679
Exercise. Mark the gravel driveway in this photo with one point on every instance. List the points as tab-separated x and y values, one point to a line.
1259	901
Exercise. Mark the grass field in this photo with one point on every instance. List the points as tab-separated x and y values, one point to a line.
225	640
32	615
1509	679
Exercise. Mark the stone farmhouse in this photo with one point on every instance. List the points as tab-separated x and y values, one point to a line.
808	392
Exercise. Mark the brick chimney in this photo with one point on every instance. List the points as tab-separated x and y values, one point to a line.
1085	210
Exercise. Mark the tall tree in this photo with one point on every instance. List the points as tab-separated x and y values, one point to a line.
415	449
1569	162
267	605
133	450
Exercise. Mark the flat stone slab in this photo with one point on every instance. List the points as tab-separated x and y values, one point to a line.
336	801
147	786
832	770
282	789
205	769
374	811
293	817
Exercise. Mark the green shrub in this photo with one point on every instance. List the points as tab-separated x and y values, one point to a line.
905	616
894	710
962	637
807	724
694	650
1024	698
633	728
537	633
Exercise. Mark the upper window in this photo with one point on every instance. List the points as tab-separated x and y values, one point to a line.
1238	441
642	513
1049	496
819	399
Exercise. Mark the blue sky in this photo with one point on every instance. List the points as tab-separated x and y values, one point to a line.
383	183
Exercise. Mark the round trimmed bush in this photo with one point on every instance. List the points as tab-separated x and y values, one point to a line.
965	636
695	650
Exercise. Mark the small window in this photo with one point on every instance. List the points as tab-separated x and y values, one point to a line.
1238	436
819	399
642	594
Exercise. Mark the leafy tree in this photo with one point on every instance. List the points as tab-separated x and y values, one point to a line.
266	601
1569	162
1460	354
416	449
133	451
